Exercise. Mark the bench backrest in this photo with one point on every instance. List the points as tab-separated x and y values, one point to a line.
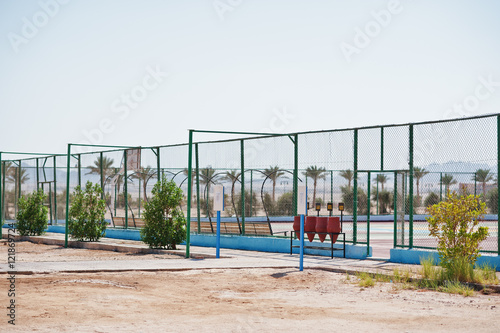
119	221
251	227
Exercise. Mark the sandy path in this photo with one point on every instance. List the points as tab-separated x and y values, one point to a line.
237	300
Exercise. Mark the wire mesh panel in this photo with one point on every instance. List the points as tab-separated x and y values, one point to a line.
326	161
402	231
369	149
412	166
456	156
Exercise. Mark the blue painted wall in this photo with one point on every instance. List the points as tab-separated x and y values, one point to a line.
413	256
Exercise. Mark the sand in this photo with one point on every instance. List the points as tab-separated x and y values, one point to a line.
228	300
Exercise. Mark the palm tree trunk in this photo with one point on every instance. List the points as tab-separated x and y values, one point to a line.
274	188
314	191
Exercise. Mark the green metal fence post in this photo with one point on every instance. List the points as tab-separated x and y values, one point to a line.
2	180
377	197
37	175
368	216
411	187
440	186
242	152
101	174
475	183
55	189
331	186
381	149
251	192
295	172
1	190
158	164
395	209
68	163
197	166
79	169
355	191
19	181
190	170
498	174
125	187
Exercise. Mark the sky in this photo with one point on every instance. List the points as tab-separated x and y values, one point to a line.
141	73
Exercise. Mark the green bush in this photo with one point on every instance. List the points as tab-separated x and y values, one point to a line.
164	221
492	201
86	214
248	211
348	198
205	209
455	224
32	214
284	205
431	199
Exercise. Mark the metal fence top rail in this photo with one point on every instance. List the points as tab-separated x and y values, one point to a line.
256	137
34	156
265	135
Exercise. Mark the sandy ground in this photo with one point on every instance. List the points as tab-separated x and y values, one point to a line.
237	300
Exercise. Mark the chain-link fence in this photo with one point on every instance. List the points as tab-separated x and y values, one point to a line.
381	173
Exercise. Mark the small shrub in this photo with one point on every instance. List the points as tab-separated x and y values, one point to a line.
455	223
86	214
164	221
492	200
401	276
429	270
431	199
365	280
32	215
348	199
456	287
485	274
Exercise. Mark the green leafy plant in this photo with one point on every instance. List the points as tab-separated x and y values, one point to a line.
492	201
86	214
32	214
348	198
431	199
365	280
164	221
455	224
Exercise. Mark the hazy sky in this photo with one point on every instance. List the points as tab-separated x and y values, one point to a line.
143	72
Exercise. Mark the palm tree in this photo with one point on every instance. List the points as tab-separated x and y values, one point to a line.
448	180
382	179
185	172
348	175
106	167
232	176
315	173
144	175
483	176
274	173
419	173
207	177
16	176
